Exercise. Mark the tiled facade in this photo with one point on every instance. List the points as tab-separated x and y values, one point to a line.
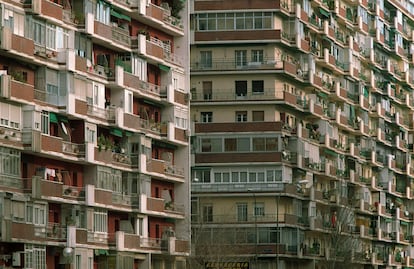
302	149
94	152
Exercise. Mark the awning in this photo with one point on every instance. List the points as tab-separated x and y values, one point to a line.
101	252
53	117
119	15
365	91
63	119
399	201
164	67
116	132
324	12
403	223
323	95
331	152
128	133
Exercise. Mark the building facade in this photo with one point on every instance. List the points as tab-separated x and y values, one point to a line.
302	147
94	134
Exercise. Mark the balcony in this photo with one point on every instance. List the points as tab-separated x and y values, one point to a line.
105	114
158	50
15	183
45	188
13	230
111	198
121	160
113	33
15	43
160	205
11	88
11	137
134	82
164	168
47	8
160	15
50	98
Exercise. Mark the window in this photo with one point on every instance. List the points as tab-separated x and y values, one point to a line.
90	135
221	177
257	87
38	32
18	208
259	209
90	262
211	145
241	88
230	144
206	60
10	115
78	262
241	116
207	90
242	212
45	122
202	176
50	36
39	214
273	175
98	97
102	13
139	67
237	144
241	58
208	213
258	115
14	21
128	101
45	34
83	46
206	116
35	256
181	116
202	22
233	21
257	56
109	179
100	220
259	144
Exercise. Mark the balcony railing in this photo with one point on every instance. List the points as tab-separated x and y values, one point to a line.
103	113
15	182
232	64
163	167
73	149
49	98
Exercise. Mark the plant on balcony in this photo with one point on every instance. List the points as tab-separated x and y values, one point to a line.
105	143
18	76
176	7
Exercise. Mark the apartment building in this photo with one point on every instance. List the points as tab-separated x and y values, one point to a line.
94	154
302	124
